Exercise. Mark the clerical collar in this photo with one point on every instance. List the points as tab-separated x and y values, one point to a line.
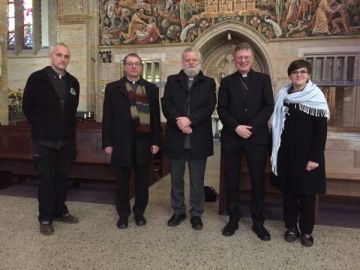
191	78
55	74
244	75
132	81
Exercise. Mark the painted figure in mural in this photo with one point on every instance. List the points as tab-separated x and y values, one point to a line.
299	129
321	24
149	34
245	105
343	20
50	101
292	11
138	22
188	102
279	9
303	10
131	135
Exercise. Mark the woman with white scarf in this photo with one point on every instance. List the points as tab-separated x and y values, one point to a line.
299	129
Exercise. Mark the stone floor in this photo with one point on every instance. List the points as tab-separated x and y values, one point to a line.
96	243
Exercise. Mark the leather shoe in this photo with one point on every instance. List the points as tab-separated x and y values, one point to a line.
196	223
307	240
139	219
230	228
291	235
122	223
46	228
176	219
261	232
67	218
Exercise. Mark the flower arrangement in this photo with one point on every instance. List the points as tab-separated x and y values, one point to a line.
15	100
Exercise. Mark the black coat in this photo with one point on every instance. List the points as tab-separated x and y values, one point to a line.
239	106
202	104
117	124
51	118
303	139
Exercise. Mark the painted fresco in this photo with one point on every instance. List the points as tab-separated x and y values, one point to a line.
176	21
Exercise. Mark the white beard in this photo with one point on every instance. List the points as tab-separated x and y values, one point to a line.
192	71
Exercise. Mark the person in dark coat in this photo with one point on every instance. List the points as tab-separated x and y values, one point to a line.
50	101
188	102
299	128
131	134
245	104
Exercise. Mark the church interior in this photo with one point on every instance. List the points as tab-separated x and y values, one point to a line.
99	34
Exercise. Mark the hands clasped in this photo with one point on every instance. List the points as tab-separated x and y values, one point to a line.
243	131
183	124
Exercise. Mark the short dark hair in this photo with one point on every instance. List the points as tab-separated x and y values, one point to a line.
131	54
243	46
299	63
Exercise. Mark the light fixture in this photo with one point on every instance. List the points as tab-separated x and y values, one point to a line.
229	36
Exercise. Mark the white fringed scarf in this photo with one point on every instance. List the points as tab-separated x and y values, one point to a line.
311	100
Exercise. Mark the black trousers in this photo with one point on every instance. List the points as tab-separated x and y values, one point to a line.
141	189
255	155
53	167
299	209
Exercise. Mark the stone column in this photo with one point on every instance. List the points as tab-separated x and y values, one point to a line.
73	30
4	102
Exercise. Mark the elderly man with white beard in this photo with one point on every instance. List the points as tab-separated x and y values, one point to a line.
188	102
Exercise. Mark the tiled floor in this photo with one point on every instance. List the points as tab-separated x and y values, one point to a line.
96	243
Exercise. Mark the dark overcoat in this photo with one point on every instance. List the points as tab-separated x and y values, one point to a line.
303	139
117	124
202	99
240	106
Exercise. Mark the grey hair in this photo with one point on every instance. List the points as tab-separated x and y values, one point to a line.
243	46
52	48
192	49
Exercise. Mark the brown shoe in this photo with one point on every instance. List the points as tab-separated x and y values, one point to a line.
46	228
67	218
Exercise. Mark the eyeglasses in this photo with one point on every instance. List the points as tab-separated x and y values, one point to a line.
130	64
244	58
299	72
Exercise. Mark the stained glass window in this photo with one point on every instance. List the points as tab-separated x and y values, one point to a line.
11	25
28	24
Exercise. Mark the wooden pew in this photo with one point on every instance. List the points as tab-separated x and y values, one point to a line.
91	162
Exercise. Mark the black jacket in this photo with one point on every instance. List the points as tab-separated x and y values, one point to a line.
51	118
202	104
117	124
238	106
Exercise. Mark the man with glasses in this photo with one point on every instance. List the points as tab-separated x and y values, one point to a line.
131	134
188	102
245	105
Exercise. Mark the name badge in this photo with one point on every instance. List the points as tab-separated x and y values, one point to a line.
72	91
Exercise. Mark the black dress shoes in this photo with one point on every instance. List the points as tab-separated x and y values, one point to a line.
67	218
196	223
307	240
46	228
176	219
291	235
261	232
139	219
122	223
230	228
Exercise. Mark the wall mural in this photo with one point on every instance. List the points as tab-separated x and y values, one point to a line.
176	21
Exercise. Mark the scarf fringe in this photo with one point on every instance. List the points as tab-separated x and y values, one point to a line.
312	111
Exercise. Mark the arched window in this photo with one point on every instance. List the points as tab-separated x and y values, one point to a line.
26	25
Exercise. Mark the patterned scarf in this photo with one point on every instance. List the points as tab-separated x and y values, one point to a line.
139	107
311	101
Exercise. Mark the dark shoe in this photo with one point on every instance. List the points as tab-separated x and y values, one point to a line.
291	235
307	240
196	223
46	228
230	228
67	218
122	223
261	232
176	219
139	219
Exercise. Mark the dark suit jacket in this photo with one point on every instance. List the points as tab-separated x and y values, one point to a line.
51	118
239	106
202	99
117	125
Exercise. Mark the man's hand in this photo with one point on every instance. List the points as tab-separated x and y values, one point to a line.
108	149
243	131
311	165
154	149
187	130
183	122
